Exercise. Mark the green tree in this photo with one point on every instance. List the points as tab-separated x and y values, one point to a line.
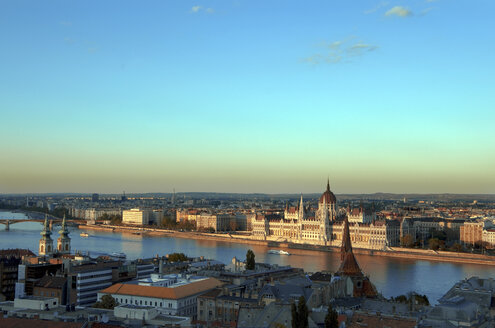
407	241
421	299
250	262
295	315
434	243
115	219
177	257
456	247
332	318
107	302
299	314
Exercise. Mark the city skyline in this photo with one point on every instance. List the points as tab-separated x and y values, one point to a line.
247	97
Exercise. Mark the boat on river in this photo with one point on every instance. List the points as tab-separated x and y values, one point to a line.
118	255
84	234
278	252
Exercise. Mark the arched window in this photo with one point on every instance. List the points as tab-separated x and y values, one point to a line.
42	249
66	247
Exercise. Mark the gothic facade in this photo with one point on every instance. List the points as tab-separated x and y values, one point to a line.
322	226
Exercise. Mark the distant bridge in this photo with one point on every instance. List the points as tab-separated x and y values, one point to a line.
53	220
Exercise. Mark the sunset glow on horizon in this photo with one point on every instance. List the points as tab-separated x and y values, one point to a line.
243	96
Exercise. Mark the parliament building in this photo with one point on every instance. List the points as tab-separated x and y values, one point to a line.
324	225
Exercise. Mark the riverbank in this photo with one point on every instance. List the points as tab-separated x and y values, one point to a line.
406	253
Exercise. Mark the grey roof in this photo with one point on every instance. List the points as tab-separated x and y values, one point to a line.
264	317
285	293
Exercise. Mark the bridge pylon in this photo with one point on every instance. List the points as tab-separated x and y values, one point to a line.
7	225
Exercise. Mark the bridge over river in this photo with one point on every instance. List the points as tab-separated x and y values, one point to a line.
52	219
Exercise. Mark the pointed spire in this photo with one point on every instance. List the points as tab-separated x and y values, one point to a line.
328	184
301	203
346	240
46	227
63	228
349	265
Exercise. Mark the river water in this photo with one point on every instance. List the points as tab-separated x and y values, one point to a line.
391	276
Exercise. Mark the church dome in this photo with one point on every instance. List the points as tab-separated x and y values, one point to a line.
328	196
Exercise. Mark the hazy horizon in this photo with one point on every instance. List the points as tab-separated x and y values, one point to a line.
247	96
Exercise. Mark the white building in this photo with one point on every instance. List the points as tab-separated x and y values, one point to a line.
36	302
488	238
136	216
175	300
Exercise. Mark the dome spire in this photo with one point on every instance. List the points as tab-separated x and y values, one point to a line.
328	184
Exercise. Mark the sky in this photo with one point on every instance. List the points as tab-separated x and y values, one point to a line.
247	96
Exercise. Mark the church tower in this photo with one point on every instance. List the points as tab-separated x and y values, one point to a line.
46	242
63	242
349	267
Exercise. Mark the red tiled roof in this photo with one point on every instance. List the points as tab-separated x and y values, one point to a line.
16	252
164	292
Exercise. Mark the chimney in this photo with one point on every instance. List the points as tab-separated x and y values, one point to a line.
160	266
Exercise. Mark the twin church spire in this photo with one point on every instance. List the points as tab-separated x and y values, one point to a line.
46	241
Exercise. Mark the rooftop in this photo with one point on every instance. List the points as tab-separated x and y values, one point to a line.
178	292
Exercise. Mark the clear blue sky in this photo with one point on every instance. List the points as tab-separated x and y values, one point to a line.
247	96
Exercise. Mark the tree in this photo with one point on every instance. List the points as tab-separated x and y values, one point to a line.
295	315
250	262
116	219
177	257
421	299
434	243
407	241
300	314
332	318
107	302
457	247
303	311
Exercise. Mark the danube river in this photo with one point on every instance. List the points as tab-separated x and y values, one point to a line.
391	276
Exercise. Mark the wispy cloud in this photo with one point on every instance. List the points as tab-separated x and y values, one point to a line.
339	51
425	11
375	8
399	11
197	9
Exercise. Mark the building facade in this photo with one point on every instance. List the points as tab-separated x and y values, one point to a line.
322	227
179	300
471	233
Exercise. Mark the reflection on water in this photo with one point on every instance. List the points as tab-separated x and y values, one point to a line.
390	275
